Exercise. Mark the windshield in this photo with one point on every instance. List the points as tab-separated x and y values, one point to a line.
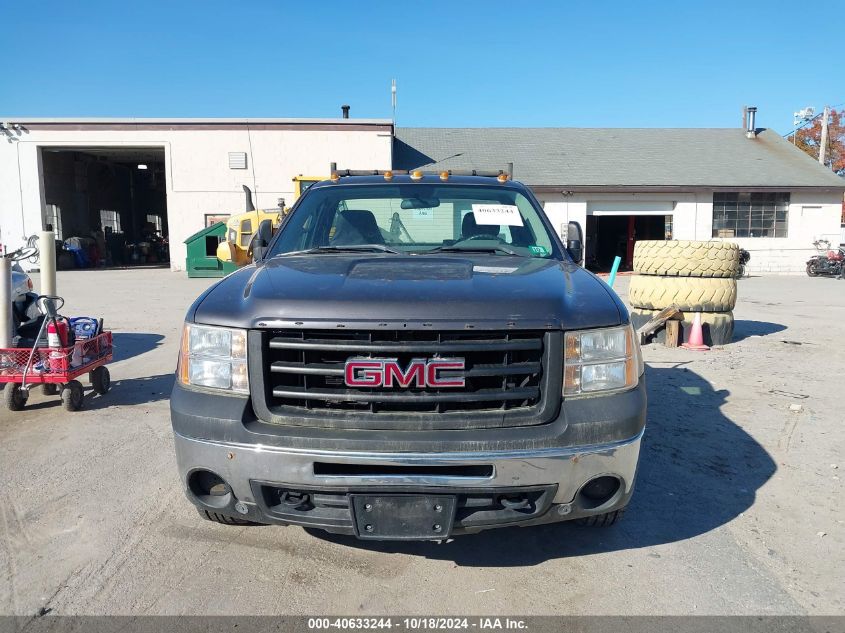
417	219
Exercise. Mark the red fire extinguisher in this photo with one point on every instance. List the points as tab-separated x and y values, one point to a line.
57	338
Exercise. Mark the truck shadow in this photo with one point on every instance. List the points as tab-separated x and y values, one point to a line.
131	344
131	391
744	329
698	471
125	392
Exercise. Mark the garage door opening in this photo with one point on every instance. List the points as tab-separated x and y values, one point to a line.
107	206
609	236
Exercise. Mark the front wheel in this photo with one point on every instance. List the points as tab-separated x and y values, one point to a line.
100	380
603	520
811	269
214	517
73	396
14	398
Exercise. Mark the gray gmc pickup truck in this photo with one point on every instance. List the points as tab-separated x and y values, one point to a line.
410	357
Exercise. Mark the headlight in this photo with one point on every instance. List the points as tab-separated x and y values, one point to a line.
213	357
601	360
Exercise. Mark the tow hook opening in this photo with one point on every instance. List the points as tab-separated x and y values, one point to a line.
515	502
210	489
296	500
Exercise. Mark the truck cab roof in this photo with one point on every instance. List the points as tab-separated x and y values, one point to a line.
426	178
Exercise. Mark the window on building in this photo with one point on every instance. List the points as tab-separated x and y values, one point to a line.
110	219
53	219
155	220
750	214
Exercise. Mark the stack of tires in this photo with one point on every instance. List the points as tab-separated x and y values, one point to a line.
695	276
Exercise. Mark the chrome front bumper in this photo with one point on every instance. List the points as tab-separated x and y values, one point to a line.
563	470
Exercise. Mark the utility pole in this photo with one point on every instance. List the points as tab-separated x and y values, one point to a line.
823	142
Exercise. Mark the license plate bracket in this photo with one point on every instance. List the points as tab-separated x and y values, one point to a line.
403	516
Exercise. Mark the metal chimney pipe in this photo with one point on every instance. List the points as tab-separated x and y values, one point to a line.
751	130
248	196
345	109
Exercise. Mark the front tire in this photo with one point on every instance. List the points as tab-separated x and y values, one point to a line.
100	380
811	269
222	518
73	396
14	398
603	520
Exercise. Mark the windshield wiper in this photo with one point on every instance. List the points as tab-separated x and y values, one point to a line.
348	248
499	248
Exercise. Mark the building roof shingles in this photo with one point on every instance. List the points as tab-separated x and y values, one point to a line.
617	157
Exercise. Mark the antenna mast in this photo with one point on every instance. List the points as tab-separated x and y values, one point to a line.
393	99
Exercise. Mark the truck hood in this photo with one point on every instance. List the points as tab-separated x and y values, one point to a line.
408	291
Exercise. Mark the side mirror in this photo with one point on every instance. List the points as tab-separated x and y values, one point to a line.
261	240
575	242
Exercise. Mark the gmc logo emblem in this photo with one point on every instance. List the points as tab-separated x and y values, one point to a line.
387	372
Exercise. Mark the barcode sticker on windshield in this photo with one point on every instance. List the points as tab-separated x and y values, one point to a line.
507	214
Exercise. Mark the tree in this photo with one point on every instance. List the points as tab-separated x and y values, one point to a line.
809	137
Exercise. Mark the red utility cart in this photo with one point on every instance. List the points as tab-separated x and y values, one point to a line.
57	368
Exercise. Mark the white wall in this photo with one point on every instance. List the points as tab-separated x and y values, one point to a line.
812	215
561	211
199	180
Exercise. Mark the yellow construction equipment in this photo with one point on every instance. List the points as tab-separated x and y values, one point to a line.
241	228
301	183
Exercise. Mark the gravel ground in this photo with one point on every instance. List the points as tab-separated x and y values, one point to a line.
738	508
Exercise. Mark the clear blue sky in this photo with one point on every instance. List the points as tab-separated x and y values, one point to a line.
591	64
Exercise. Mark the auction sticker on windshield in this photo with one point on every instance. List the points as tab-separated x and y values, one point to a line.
499	214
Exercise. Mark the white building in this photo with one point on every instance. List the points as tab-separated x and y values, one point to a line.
175	174
755	188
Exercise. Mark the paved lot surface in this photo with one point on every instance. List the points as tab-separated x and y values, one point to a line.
738	509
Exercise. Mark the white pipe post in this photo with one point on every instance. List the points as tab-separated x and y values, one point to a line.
47	251
5	302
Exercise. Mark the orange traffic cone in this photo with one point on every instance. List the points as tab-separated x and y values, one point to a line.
696	336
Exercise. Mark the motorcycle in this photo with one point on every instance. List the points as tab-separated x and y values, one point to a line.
744	258
828	262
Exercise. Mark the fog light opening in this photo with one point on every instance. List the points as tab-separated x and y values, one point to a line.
210	489
600	490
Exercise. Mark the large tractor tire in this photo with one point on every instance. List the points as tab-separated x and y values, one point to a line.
717	327
683	258
690	294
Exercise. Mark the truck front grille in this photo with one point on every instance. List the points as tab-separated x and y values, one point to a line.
302	376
